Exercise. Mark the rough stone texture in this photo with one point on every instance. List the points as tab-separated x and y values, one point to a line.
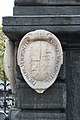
61	76
64	33
41	20
54	97
65	27
46	10
62	73
9	63
40	57
47	2
13	113
73	84
3	116
39	115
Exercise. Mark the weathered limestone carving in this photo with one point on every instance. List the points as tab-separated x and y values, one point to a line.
40	57
9	63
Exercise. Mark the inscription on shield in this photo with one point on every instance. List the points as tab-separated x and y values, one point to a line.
40	57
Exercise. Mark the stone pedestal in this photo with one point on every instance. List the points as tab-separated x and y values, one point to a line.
38	115
62	100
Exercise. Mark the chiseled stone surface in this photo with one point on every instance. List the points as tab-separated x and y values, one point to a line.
65	27
40	57
46	2
40	60
42	20
73	84
52	98
61	76
46	10
39	115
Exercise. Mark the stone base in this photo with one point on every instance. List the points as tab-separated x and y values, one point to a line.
39	115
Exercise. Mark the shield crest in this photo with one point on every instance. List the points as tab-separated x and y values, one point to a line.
40	57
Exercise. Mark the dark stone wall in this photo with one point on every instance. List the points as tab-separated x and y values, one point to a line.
52	98
73	84
46	2
38	115
46	10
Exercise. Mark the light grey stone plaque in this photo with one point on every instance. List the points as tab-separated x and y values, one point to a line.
40	57
9	65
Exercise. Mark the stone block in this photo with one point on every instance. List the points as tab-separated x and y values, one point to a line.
64	27
53	98
67	35
41	20
73	84
46	10
39	115
47	2
13	113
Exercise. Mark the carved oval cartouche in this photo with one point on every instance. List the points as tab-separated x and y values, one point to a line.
40	57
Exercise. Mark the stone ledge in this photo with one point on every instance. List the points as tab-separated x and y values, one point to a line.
42	20
65	27
46	2
66	34
42	115
46	10
53	98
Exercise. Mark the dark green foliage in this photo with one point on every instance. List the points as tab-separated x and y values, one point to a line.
2	39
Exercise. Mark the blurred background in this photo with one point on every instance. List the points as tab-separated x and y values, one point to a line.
6	97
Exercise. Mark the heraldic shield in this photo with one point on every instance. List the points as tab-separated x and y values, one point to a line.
40	57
